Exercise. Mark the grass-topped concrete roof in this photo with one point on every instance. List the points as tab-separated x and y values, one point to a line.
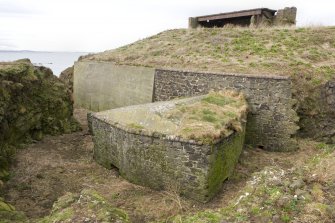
204	119
276	50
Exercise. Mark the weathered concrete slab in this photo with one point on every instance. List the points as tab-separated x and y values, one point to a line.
100	86
191	144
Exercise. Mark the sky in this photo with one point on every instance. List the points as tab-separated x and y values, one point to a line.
98	25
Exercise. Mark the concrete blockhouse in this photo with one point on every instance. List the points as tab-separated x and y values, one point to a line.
252	17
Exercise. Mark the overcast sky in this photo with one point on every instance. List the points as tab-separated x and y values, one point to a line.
98	25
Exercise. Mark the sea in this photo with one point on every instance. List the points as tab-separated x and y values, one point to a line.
56	61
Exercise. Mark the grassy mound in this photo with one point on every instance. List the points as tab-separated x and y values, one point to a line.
280	51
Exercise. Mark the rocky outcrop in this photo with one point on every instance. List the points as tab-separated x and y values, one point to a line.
317	113
67	77
88	206
33	102
9	214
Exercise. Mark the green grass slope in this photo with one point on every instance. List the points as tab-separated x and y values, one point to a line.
280	51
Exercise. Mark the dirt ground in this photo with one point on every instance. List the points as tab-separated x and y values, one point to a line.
48	169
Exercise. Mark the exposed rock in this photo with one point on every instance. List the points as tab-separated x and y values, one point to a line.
33	102
299	183
88	206
67	77
284	200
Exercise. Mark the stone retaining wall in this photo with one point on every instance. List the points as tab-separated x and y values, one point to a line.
271	119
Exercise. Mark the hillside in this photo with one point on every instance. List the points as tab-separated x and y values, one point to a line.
280	51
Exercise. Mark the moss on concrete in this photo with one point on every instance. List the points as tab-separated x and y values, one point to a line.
223	162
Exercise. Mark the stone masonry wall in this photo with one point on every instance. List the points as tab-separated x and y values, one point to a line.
271	120
286	16
161	162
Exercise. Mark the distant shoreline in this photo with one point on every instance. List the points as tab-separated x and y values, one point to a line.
37	51
56	61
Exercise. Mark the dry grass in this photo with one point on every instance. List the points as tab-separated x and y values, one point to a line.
321	168
277	50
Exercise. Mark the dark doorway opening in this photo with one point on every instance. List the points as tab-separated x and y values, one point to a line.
240	21
115	170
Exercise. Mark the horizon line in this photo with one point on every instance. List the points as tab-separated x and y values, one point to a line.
47	51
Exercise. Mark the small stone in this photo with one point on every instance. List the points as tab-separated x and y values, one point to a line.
331	211
276	219
284	200
299	183
286	183
6	207
300	192
39	176
277	182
